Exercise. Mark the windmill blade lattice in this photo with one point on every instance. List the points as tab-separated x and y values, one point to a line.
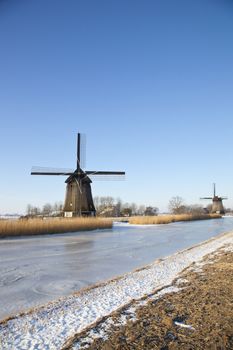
38	170
83	145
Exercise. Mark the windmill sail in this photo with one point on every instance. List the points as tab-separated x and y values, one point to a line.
36	170
83	151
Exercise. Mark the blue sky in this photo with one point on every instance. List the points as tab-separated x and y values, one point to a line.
149	82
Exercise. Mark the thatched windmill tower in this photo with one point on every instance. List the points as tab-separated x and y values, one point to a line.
217	206
78	200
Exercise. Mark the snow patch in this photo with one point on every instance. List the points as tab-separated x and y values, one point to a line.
129	314
182	325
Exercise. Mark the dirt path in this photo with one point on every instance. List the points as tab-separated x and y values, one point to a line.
199	316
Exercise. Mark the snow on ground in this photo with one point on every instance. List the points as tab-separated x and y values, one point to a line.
49	326
103	329
10	217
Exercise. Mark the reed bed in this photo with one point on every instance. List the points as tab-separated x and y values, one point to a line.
50	225
167	219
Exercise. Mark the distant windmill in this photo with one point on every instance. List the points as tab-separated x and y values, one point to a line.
217	206
78	200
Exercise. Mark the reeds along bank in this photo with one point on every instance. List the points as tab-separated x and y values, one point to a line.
48	226
166	219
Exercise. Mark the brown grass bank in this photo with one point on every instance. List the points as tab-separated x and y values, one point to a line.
167	219
50	225
198	317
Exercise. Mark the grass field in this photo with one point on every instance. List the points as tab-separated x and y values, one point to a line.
51	225
166	219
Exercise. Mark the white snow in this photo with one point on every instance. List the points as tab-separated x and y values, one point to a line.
49	326
183	325
129	314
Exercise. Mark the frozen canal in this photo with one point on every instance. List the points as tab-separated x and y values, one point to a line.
38	269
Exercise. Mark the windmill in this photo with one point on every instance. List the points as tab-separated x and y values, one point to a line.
78	199
217	206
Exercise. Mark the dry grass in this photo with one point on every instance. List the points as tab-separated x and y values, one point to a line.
204	302
166	219
51	225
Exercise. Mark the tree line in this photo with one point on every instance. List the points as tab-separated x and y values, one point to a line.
110	207
47	209
105	206
177	205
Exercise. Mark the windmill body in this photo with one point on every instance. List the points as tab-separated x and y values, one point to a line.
78	199
217	204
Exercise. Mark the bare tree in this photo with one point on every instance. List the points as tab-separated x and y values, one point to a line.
97	204
118	207
29	209
104	206
108	206
194	209
141	210
176	205
106	201
32	210
134	208
47	209
35	211
57	208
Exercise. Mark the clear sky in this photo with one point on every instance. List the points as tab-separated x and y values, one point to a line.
150	83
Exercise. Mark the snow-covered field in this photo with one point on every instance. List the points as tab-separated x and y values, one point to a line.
51	325
10	217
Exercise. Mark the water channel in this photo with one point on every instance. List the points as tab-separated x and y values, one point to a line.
35	270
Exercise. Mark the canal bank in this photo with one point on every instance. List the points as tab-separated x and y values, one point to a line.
195	313
59	324
36	270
